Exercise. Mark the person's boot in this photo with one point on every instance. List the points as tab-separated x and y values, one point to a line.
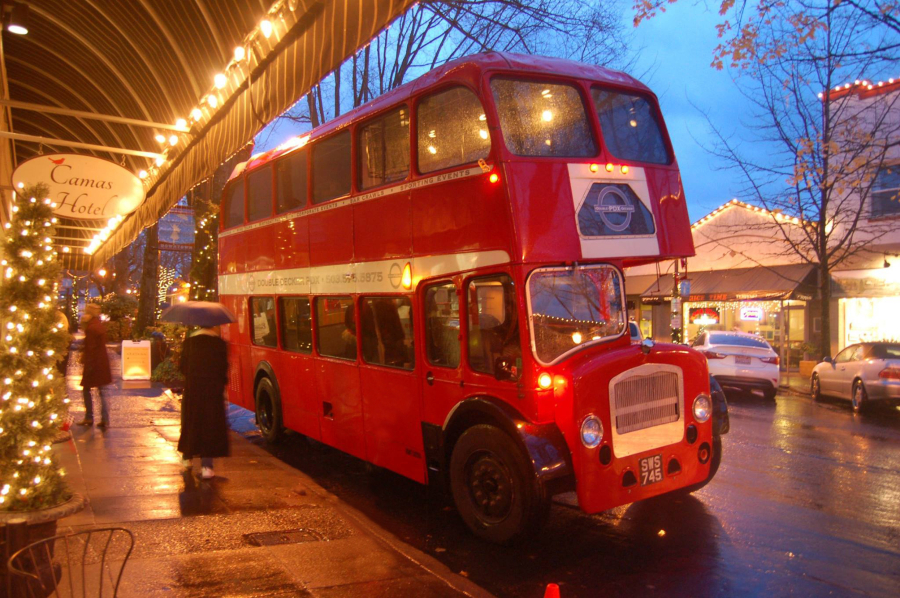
102	425
86	422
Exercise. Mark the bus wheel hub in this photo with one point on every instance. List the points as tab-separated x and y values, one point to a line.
491	488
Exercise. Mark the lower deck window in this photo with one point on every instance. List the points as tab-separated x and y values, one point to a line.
263	331
494	346
336	327
387	334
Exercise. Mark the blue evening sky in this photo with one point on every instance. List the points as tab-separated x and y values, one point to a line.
673	52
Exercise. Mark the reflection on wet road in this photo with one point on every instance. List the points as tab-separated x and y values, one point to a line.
807	502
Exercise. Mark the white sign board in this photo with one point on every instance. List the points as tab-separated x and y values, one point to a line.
136	360
83	187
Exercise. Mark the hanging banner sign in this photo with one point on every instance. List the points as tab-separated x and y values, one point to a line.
83	187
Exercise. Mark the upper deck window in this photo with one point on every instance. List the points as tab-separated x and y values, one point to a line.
629	126
259	196
291	175
542	119
452	130
234	203
331	167
384	149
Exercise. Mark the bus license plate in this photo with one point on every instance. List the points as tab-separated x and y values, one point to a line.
651	470
742	360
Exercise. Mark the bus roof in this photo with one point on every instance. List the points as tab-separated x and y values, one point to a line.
466	68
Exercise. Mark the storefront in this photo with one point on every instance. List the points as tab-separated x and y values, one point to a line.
769	302
868	305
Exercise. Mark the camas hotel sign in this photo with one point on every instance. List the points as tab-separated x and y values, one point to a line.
83	187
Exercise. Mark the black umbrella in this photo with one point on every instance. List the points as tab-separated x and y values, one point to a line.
198	313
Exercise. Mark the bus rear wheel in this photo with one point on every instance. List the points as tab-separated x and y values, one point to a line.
268	412
494	488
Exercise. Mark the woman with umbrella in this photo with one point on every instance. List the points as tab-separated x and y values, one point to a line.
204	363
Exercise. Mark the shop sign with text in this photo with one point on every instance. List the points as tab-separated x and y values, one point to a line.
83	187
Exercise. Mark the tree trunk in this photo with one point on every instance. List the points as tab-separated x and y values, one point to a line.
121	265
313	113
337	91
825	309
149	281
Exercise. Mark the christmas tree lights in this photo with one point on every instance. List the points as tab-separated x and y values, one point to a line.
32	395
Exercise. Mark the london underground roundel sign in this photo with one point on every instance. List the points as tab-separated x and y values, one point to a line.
83	187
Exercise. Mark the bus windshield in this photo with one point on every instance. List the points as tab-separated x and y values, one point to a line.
572	307
542	119
629	127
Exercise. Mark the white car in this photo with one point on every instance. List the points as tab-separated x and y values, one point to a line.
863	373
738	360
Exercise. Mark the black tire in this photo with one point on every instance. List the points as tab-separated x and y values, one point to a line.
494	487
268	412
815	388
713	468
860	398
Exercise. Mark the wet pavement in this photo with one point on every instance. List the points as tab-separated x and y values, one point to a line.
259	528
807	503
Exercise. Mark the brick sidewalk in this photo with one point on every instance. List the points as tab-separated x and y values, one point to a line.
196	538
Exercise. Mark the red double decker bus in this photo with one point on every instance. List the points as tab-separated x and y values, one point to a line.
433	283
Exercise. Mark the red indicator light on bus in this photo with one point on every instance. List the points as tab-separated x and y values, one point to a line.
609	167
595	167
545	380
494	178
624	169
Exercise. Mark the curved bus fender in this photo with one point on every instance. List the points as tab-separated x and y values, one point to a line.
264	368
543	443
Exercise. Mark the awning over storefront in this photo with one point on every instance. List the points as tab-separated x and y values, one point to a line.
796	281
144	65
636	285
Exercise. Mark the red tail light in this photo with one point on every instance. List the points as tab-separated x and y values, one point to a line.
713	355
891	373
773	360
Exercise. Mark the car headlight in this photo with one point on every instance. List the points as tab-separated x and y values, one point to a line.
591	431
702	408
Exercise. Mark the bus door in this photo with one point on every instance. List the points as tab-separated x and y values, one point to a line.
441	375
337	379
300	403
390	389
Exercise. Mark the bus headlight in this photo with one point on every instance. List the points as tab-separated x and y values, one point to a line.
702	408
591	431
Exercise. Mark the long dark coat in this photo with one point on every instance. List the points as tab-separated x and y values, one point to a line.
204	363
96	361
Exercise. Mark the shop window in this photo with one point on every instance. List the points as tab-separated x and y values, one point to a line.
262	325
331	167
542	119
336	327
296	324
494	345
386	332
886	192
452	130
291	185
384	149
234	203
442	325
259	194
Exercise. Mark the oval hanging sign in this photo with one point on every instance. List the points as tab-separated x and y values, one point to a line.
83	187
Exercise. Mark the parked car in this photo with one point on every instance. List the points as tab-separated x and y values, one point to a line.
863	373
635	333
741	361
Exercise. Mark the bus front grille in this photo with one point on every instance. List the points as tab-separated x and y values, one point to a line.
645	401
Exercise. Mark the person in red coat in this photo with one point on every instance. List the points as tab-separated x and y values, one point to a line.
96	366
204	429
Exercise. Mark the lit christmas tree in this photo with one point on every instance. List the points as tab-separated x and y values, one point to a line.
32	338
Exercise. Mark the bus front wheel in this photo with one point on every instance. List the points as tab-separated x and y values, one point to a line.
494	488
268	412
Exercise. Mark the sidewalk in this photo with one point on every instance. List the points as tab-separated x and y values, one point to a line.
259	528
795	383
